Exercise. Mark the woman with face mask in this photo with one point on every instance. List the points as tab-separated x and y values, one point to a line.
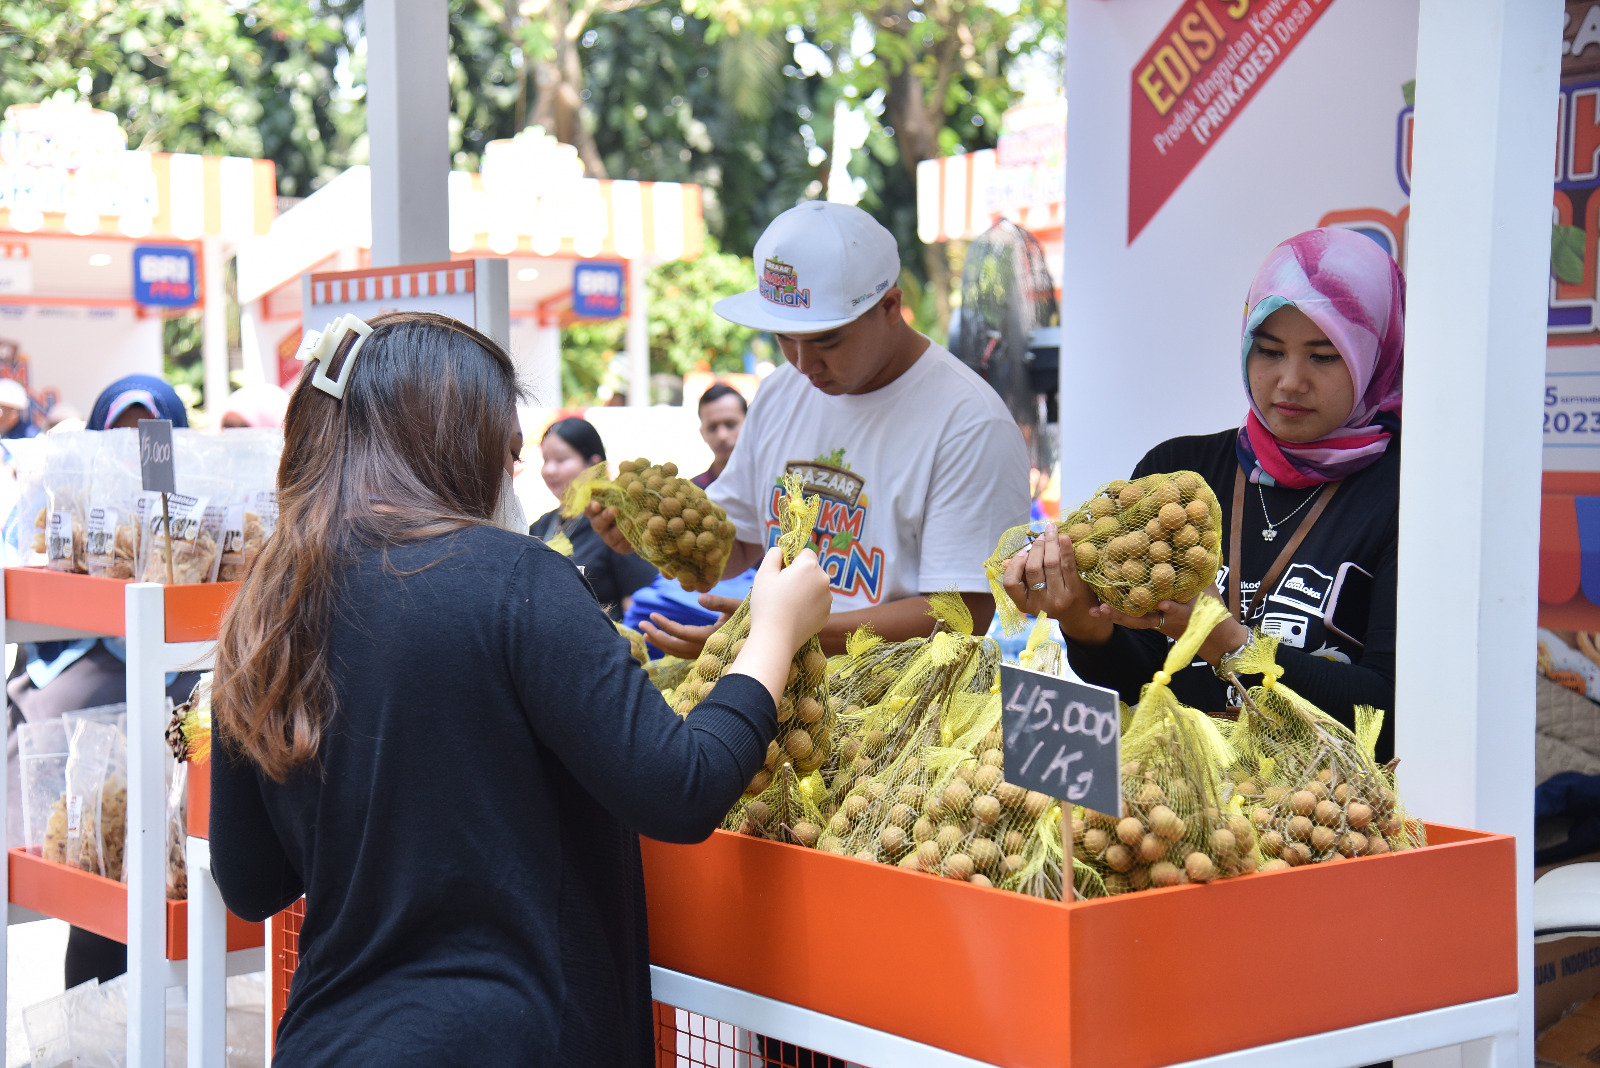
425	724
1309	488
570	447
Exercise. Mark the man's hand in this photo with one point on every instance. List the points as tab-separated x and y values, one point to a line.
604	522
681	639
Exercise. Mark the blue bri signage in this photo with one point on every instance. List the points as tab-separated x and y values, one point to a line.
597	290
164	275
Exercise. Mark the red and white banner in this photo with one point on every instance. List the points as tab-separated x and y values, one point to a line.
1205	67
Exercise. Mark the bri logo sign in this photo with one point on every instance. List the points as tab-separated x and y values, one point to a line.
781	285
163	276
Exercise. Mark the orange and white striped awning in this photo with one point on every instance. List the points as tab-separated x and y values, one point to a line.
393	283
588	218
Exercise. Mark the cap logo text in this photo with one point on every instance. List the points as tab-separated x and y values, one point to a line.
781	285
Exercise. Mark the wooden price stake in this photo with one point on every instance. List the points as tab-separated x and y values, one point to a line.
157	473
1063	739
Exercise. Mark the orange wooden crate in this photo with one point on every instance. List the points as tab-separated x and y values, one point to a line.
1140	980
101	905
199	800
84	602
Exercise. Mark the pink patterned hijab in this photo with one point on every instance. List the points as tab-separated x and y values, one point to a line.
1354	291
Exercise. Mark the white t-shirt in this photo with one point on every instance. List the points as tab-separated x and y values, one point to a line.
918	479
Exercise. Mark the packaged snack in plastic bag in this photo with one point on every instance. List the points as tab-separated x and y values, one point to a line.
42	750
114	490
668	520
252	512
178	831
47	1025
1311	785
805	709
1135	543
25	529
69	461
195	524
87	762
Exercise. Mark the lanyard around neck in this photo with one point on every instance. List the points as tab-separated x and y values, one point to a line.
1236	546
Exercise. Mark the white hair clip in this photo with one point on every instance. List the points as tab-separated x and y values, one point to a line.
319	347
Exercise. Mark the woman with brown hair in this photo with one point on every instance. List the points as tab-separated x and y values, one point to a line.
427	726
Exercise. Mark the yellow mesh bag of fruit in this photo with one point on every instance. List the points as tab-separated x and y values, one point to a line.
787	810
1310	785
805	710
668	520
1135	543
636	644
1174	827
1041	653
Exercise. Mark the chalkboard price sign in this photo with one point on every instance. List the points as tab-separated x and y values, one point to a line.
1063	738
155	456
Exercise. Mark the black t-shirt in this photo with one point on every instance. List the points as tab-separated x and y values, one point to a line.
1332	607
467	839
611	575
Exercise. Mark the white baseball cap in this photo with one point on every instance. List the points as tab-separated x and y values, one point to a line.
13	394
818	266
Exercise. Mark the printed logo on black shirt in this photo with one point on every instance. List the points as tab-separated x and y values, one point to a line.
1303	586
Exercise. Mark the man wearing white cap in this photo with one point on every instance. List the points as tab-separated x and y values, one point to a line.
918	463
15	410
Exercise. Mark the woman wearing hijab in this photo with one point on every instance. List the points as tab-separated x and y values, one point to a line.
570	447
127	400
1309	488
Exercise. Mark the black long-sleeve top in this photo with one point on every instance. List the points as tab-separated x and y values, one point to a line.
467	838
1347	559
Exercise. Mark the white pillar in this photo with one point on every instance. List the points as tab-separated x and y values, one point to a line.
636	341
145	851
207	999
408	115
214	325
1479	258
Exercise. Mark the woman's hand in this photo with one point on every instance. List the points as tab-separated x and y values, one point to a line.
788	606
1171	618
1045	579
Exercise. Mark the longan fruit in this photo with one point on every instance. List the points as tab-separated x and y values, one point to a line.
1118	857
1185	537
799	744
928	855
855	806
1328	813
1164	493
1095	841
1130	495
675	526
1188	482
1199	512
1353	844
669	469
873	742
1303	802
987	809
959	866
1323	838
1154	530
957	796
984	853
987	778
785	710
892	838
1010	794
691	517
1166	823
1162	576
1077	532
686	543
909	794
1139	878
1151	849
1172	516
1197	558
1317	790
1210	540
758	811
923	830
670	507
1275	864
805	833
1376	844
759	782
809	710
1198	867
1151	794
1358	815
1141	599
949	837
1130	831
1102	508
1296	853
1034	803
657	527
1272	843
709	666
634	489
1299	828
1105	526
1159	551
1085	555
1014	841
1224	842
1135	571
1164	873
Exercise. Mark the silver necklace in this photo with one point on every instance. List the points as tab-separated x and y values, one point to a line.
1272	528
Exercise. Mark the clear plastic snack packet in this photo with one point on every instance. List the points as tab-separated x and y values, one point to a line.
251	515
87	761
113	522
195	524
177	830
25	534
69	461
42	750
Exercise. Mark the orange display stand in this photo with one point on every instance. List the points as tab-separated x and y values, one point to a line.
101	905
1017	981
95	605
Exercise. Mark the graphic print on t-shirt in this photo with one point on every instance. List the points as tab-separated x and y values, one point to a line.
852	568
1304	587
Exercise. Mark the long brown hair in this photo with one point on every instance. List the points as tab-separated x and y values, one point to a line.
417	448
